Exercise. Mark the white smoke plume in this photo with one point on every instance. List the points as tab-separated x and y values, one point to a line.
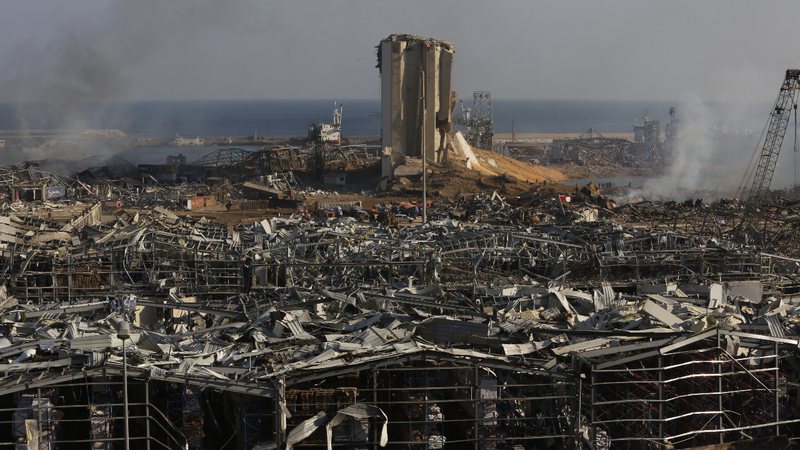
694	150
710	154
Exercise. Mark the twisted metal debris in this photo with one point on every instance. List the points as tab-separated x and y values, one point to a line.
493	326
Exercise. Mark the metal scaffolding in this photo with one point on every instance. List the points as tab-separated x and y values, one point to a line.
477	120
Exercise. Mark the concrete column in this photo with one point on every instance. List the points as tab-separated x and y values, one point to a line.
392	67
443	113
410	125
429	130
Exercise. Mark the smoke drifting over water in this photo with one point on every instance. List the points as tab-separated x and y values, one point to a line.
69	83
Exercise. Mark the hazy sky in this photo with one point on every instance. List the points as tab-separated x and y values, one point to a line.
211	49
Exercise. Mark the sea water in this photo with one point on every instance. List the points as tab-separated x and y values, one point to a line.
291	117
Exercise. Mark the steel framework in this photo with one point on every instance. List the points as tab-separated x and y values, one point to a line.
477	120
776	130
224	157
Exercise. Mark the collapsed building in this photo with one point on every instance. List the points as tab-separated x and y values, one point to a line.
646	148
494	326
592	148
27	183
502	323
251	179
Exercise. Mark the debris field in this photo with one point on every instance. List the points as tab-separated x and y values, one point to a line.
501	323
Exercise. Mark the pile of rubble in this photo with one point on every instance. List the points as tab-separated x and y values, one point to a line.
536	325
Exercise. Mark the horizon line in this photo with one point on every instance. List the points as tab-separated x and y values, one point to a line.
343	101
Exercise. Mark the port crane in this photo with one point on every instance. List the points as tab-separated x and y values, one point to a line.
770	149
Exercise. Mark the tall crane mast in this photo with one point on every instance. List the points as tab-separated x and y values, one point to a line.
776	130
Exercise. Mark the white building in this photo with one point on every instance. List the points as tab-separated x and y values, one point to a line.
181	141
329	133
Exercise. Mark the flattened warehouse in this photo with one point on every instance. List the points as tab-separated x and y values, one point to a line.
321	333
537	325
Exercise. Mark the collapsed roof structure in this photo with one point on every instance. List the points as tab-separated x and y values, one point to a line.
494	326
499	324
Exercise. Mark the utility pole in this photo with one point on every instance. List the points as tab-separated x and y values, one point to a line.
125	333
422	146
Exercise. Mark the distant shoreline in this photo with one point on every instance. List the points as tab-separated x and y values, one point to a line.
521	136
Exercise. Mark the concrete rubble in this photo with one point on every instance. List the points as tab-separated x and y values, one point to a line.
502	323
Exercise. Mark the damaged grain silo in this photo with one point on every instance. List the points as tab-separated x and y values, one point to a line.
416	99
